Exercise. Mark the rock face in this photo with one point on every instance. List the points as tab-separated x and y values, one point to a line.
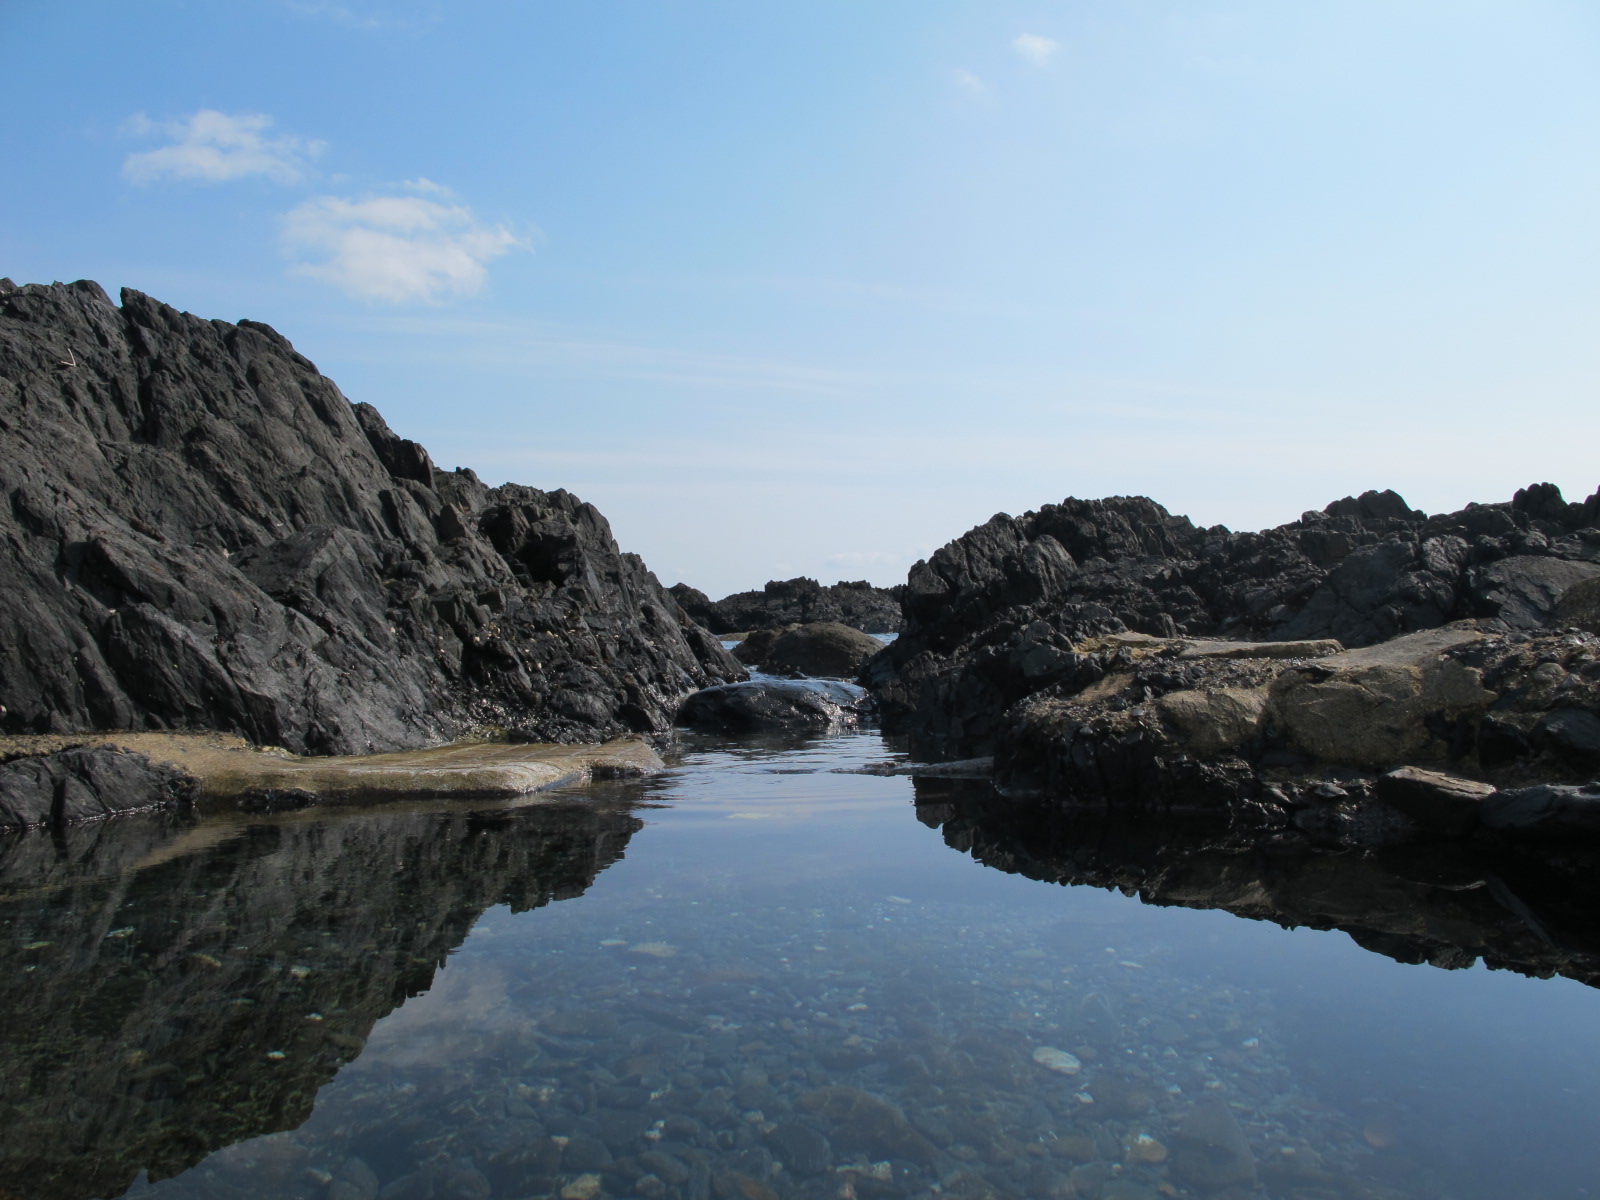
200	531
999	614
85	784
795	602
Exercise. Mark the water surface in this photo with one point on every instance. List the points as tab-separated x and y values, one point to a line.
752	977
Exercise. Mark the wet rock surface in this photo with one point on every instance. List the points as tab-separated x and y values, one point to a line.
200	531
1000	613
795	601
775	705
229	971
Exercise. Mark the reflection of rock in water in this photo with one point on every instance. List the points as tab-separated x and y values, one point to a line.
1448	905
171	989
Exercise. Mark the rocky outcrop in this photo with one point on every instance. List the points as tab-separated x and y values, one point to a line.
825	649
795	602
198	530
1149	725
1002	613
172	1020
87	783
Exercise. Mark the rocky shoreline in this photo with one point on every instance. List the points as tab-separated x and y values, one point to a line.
1368	672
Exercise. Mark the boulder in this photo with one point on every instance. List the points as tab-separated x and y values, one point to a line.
1545	810
1209	1150
1574	733
757	645
86	783
1216	720
1440	803
1579	606
1526	591
1373	706
774	705
200	531
825	650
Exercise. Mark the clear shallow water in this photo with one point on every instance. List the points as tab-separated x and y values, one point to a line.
732	981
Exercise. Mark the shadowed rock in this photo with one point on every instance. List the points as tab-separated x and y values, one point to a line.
199	531
777	705
795	601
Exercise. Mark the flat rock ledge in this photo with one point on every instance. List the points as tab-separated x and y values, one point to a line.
53	779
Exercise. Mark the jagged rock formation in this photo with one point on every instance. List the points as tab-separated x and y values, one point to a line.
86	783
1449	905
795	602
997	615
198	530
172	1020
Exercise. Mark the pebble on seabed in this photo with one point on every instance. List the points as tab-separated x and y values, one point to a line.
1057	1060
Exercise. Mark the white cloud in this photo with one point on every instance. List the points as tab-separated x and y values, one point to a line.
214	147
969	83
395	248
1036	48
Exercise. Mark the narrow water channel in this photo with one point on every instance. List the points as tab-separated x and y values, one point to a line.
755	976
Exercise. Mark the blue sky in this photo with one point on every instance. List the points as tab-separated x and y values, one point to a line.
813	287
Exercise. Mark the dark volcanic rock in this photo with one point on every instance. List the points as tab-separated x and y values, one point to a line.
825	649
84	784
795	602
996	615
199	531
777	705
1546	810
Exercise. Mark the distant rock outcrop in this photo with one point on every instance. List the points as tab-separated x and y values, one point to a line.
795	602
823	649
199	530
1001	615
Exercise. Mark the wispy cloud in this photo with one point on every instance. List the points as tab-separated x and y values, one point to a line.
1036	48
968	82
395	249
215	147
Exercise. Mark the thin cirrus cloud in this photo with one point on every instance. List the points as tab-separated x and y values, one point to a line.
1036	48
395	249
216	147
968	82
